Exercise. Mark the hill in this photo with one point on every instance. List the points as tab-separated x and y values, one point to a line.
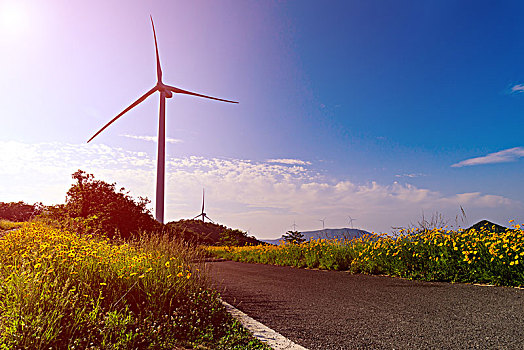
488	225
328	233
199	232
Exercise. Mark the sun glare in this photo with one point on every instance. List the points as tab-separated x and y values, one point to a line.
14	18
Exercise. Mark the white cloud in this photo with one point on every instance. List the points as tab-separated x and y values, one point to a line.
289	161
42	172
504	156
517	88
151	138
412	175
265	197
483	200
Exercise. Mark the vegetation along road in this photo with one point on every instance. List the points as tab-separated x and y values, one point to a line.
337	310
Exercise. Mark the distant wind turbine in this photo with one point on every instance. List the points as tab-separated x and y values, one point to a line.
166	91
294	225
322	220
351	221
203	214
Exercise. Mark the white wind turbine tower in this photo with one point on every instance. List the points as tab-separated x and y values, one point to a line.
166	91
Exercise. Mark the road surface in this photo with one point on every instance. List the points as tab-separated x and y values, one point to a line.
337	310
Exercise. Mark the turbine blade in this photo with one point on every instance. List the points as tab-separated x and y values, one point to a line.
158	68
209	219
180	91
197	216
124	111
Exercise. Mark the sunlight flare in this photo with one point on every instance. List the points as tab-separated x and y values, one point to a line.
14	18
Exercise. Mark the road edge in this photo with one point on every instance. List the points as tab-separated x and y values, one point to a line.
262	332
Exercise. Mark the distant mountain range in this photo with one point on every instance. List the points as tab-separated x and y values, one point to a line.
328	233
350	233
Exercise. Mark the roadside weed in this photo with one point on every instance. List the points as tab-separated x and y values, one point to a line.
64	291
479	256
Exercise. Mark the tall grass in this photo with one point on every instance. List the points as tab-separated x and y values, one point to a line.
9	225
480	256
64	291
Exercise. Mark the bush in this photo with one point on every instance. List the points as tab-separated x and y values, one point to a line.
19	211
94	206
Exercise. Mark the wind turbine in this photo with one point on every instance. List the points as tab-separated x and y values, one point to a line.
203	214
166	91
322	221
351	221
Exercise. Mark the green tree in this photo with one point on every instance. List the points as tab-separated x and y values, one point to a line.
19	211
293	237
100	206
231	238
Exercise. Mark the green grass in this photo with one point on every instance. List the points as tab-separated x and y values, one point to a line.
64	291
476	256
9	225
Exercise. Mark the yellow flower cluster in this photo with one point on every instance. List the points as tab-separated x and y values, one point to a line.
45	251
439	252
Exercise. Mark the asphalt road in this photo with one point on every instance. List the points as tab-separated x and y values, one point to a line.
337	310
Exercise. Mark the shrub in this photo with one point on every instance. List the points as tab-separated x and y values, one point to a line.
94	206
19	211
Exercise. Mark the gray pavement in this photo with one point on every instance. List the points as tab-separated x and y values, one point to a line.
337	310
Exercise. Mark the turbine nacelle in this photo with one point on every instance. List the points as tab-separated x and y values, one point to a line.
165	90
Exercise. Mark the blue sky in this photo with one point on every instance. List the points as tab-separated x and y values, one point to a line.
378	110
